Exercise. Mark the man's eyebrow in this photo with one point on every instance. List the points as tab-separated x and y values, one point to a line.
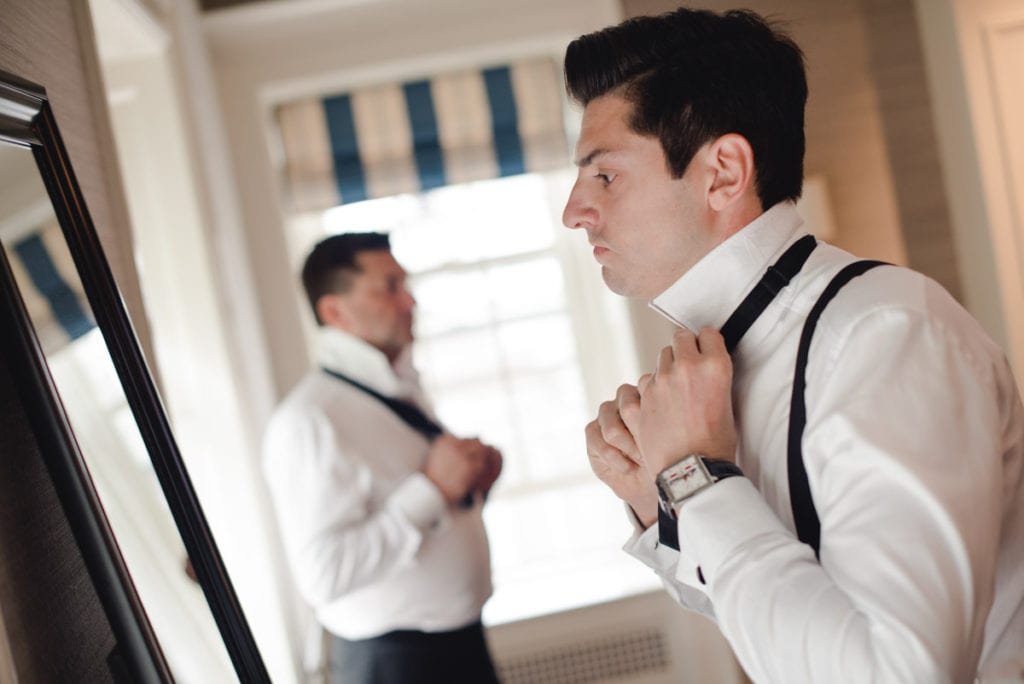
589	159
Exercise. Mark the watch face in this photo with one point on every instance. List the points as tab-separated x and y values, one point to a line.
685	478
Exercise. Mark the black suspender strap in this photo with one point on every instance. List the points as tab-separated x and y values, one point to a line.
808	527
410	414
753	305
775	278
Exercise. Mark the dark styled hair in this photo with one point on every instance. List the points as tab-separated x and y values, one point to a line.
331	267
695	75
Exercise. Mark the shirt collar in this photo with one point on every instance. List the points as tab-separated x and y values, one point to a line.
708	293
352	356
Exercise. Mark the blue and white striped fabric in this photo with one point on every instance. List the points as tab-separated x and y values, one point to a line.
407	137
50	287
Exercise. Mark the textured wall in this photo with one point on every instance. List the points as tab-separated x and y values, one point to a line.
55	626
897	65
56	629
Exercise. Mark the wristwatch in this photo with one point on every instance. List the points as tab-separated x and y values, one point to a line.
688	476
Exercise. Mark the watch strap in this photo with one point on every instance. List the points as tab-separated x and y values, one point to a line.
720	469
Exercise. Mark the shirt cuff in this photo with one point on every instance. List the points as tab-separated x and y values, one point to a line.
634	520
644	546
721	519
420	502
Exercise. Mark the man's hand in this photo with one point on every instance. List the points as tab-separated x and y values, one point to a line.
456	466
492	469
686	406
615	458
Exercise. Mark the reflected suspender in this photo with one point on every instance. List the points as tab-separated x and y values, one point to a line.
410	413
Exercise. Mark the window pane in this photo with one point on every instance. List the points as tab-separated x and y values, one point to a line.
450	301
537	343
526	288
495	218
550	414
457	358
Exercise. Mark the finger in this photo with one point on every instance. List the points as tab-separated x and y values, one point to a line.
610	458
473	452
710	341
601	452
626	393
613	429
665	359
628	400
494	459
684	344
643	382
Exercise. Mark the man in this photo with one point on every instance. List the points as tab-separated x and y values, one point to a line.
380	510
690	157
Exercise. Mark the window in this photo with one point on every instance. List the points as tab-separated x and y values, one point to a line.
517	342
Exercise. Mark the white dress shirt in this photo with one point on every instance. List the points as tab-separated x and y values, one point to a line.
372	545
913	450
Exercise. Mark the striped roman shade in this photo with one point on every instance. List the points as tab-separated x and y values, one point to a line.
406	137
50	287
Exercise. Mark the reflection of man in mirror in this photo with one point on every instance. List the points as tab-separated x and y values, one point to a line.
379	508
868	526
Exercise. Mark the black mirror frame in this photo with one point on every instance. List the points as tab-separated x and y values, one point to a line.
26	120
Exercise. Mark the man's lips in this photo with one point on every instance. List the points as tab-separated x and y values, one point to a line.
599	250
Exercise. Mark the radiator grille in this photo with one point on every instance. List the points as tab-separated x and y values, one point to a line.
610	657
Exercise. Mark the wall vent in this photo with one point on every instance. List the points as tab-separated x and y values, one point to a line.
616	656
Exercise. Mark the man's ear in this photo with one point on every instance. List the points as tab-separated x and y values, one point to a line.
331	310
732	161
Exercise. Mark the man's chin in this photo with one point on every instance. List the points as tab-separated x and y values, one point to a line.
616	284
636	287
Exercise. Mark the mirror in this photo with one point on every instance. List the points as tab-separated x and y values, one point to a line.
119	448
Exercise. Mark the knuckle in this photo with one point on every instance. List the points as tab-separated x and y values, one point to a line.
615	434
682	334
607	453
630	400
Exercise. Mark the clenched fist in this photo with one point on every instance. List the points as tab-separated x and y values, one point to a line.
686	405
615	457
458	467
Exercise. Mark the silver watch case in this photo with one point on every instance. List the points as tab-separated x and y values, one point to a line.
683	479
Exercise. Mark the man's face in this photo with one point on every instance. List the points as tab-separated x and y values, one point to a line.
378	307
646	227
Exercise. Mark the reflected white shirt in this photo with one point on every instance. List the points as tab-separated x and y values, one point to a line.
372	545
913	450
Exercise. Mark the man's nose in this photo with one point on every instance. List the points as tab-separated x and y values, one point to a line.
577	209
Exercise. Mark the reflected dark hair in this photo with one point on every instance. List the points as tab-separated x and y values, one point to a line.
331	267
695	75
